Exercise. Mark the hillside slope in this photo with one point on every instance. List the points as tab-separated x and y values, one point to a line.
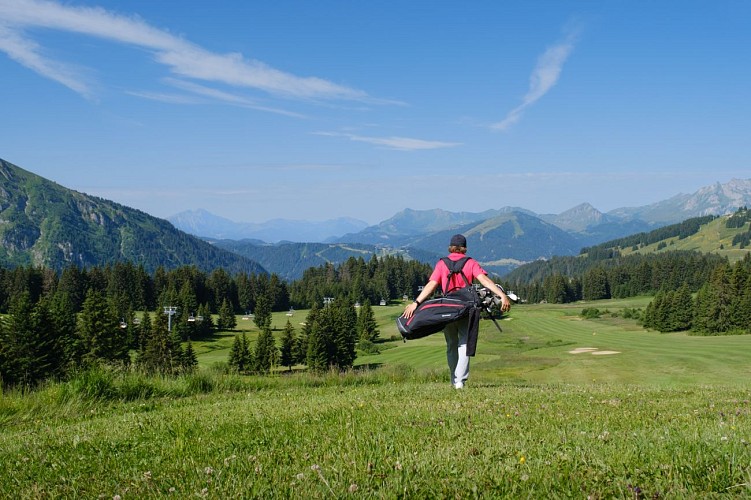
712	237
45	224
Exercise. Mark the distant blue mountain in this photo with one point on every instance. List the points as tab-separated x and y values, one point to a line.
207	225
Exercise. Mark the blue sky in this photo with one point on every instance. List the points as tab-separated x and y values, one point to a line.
316	110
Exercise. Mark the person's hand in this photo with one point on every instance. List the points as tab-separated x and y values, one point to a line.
505	303
409	310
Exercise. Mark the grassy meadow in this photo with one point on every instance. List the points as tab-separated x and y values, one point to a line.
713	237
557	407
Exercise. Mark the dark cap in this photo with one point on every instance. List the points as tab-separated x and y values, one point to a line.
458	240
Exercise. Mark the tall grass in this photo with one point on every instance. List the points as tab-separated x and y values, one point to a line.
392	434
104	386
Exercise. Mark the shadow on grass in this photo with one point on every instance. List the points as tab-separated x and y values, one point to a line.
367	367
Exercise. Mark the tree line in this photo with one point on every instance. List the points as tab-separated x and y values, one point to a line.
54	324
569	279
722	305
47	339
330	338
131	288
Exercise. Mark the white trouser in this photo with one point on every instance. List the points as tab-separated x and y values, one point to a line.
456	350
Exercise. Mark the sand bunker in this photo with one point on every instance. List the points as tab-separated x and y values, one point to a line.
592	350
580	350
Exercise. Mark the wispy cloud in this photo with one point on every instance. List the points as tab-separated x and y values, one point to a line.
28	53
543	78
181	57
400	143
164	97
228	97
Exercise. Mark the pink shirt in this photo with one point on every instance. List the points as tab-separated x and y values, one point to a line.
472	269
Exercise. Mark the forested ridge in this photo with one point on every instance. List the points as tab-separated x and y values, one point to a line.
681	230
45	224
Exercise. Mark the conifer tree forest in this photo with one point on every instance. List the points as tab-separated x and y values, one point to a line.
55	324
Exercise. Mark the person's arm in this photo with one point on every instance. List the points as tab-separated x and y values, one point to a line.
427	291
488	283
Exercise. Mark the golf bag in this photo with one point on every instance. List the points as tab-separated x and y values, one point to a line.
434	314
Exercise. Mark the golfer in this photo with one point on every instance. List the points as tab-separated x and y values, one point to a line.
456	332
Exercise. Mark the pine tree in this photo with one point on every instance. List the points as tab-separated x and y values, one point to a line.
240	355
185	323
16	341
47	349
702	305
227	320
27	344
287	350
720	315
64	319
100	331
6	369
73	283
234	360
205	321
265	353
367	327
738	282
649	315
682	309
595	284
131	330
301	347
190	361
176	351
155	357
145	334
262	314
344	334
743	315
318	340
663	300
556	289
163	350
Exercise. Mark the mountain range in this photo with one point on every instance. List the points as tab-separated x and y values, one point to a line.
45	224
583	220
501	239
203	223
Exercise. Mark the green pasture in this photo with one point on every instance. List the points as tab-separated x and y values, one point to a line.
655	416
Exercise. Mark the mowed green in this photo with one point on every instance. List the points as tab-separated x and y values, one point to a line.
544	343
650	416
552	343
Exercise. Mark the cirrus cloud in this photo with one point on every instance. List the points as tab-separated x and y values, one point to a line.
19	18
399	143
543	78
